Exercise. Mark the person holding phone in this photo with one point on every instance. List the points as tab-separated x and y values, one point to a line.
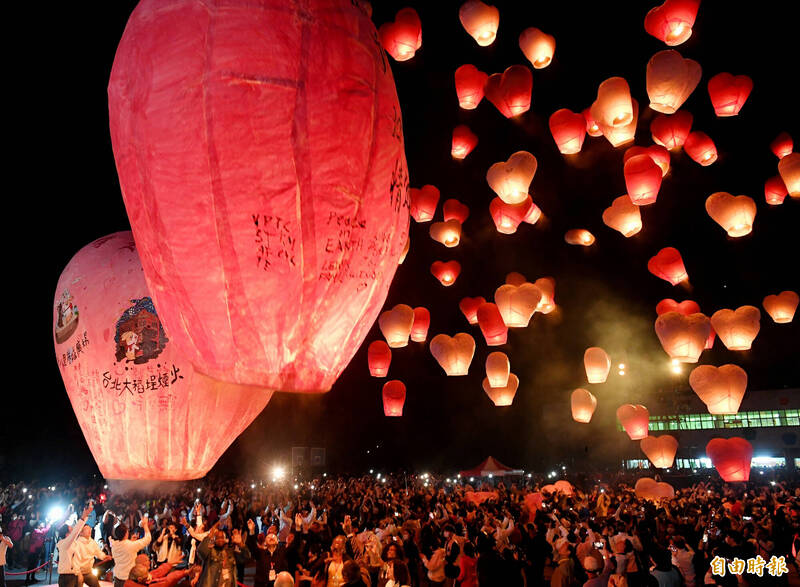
69	573
124	550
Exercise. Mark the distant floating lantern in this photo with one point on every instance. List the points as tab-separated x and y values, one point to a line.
737	328
592	129
729	93
613	106
700	148
480	21
721	389
498	368
423	203
464	140
583	405
643	179
621	135
395	324
623	216
510	91
731	458
597	364
546	285
493	327
422	321
685	307
537	46
508	217
789	168
658	153
511	179
455	210
782	145
671	131
469	307
683	337
733	213
470	82
670	80
454	354
446	272
635	419
394	396
781	307
661	450
379	357
448	233
568	129
668	265
403	37
517	303
503	395
579	236
775	191
672	21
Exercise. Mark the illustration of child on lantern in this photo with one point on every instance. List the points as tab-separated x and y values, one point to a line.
129	339
139	335
67	317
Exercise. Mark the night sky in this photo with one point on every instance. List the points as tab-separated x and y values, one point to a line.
64	191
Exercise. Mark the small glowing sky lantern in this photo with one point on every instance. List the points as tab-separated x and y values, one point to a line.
533	215
517	303
737	329
643	179
683	337
782	145
504	395
469	307
423	202
470	82
789	168
455	210
670	80
568	129
492	326
480	21
621	135
579	236
448	233
592	128
685	307
775	191
721	389
597	364
658	153
394	396
700	148
379	357
464	140
728	93
546	285
781	307
733	213
613	106
511	179
672	21
668	265
671	131
660	450
508	217
454	354
537	46
623	216
731	458
635	419
583	405
422	321
403	37
395	324
446	272
510	91
498	368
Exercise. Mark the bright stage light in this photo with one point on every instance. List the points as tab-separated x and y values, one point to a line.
278	473
55	513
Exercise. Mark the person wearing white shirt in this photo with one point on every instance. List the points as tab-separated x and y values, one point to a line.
68	571
86	551
124	550
5	544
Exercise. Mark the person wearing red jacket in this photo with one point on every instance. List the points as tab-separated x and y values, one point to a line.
38	537
468	577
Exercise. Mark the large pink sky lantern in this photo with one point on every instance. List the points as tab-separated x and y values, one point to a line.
259	148
145	413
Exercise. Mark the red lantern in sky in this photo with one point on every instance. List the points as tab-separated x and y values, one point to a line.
379	357
423	203
624	216
446	272
469	86
782	145
533	215
464	140
469	307
685	307
394	397
789	168
579	236
592	129
537	46
658	153
454	354
729	93
238	209
492	325
403	37
455	210
134	395
583	404
635	419
569	130
668	265
731	458
700	148
775	191
643	179
422	321
510	91
670	80
671	131
480	20
781	307
672	21
508	217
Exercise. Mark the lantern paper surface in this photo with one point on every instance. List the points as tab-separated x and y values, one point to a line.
613	106
782	145
517	303
621	135
469	307
737	329
422	321
592	128
579	236
672	21
650	489
470	82
643	179
700	148
733	213
721	389
238	210
464	140
670	80
515	278
454	354
635	419
510	91
658	153
537	46
775	191
423	203
683	337
379	357
494	330
446	272
660	450
511	179
508	217
403	37
504	395
455	210
394	397
533	215
141	406
671	131
597	364
583	405
668	265
395	324
498	368
685	307
731	458
729	93
480	20
448	233
568	129
623	216
781	307
789	168
546	285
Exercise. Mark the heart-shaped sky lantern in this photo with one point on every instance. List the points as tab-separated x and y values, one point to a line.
731	458
660	450
423	202
403	37
668	265
672	21
635	419
623	216
503	395
670	80
781	307
469	307
264	178
737	328
446	271
658	153
453	353
683	337
721	389
733	213
729	92
145	412
448	233
647	488
685	307
517	303
507	217
454	210
510	91
512	179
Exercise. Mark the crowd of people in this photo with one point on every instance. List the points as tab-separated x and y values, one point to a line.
393	531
